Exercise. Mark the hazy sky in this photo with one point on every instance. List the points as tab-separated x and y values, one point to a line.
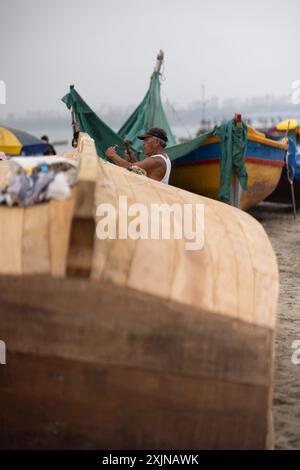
107	48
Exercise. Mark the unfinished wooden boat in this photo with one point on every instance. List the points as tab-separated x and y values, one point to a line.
129	344
199	170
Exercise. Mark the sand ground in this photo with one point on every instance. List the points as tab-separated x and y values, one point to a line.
284	233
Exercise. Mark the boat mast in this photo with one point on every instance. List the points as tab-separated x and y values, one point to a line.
159	61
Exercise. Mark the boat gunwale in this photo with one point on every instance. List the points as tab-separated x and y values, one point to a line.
253	136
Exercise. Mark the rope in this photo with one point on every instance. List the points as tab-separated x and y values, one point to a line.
181	122
162	78
288	168
290	178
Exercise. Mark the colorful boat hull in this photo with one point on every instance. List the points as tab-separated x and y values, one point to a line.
199	171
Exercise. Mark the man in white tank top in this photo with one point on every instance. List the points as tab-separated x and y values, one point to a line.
157	164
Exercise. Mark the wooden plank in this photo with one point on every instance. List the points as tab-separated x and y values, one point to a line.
11	236
120	252
85	199
87	321
230	277
38	238
152	266
105	191
61	404
194	279
60	218
35	240
81	247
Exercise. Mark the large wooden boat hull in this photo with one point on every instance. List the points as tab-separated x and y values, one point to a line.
134	344
199	171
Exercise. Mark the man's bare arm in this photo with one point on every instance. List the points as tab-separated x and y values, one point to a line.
148	164
112	154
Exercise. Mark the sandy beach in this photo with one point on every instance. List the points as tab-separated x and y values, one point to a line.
284	233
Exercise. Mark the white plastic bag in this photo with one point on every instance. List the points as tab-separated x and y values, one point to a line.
58	188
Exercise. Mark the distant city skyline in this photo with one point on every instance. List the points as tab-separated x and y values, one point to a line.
259	109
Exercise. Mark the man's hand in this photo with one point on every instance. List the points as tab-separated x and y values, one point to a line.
130	156
115	158
111	153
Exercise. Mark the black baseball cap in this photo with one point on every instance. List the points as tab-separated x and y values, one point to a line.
155	132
